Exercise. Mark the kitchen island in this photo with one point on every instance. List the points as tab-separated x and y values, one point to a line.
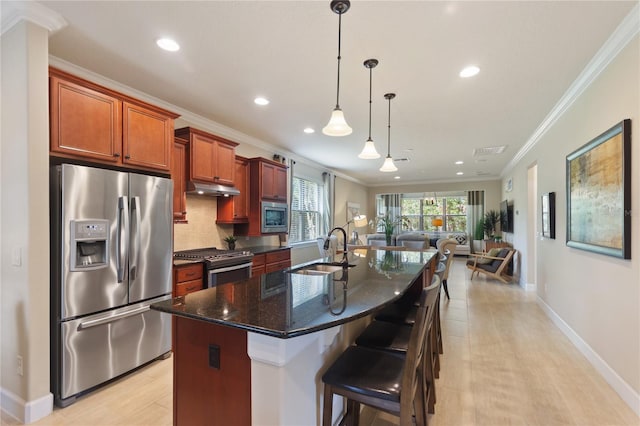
253	352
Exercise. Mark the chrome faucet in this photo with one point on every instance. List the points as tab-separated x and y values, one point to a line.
327	242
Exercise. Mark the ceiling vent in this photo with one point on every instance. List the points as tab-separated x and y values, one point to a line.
490	150
482	173
401	159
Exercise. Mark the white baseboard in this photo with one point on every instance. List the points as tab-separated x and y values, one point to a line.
25	412
529	286
622	388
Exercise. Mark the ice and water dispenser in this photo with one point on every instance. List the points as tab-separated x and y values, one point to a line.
89	244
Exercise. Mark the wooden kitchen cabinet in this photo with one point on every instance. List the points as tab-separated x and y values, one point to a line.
270	178
187	279
179	177
258	264
267	182
270	262
91	122
211	158
235	209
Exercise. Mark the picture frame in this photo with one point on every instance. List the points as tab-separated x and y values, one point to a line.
549	215
598	178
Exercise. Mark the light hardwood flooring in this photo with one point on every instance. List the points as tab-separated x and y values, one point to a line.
504	363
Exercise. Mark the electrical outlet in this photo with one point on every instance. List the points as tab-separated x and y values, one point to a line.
19	366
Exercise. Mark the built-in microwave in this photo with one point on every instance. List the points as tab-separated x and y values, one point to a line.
275	217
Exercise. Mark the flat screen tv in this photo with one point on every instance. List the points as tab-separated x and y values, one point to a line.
507	211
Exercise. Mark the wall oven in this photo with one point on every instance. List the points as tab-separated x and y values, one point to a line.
274	217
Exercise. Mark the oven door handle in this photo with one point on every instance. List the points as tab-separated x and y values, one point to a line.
230	268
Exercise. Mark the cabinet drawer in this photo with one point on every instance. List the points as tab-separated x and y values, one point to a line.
258	260
277	256
256	271
188	287
271	267
189	273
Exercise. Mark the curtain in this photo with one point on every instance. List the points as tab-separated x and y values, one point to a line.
292	165
328	184
475	212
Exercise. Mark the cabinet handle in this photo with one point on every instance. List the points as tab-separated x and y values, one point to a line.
216	177
116	154
127	156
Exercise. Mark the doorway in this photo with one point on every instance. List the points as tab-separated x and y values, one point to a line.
532	228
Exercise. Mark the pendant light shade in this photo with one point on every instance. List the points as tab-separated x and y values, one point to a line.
369	151
388	165
337	125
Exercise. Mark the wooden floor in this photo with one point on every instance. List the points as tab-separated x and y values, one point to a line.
504	363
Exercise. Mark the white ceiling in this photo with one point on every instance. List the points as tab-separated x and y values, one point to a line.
232	51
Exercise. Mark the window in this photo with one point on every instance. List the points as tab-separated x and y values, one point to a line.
421	209
306	210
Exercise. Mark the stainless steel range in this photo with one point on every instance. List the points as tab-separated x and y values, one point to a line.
223	266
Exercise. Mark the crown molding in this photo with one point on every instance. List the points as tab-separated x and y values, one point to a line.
14	12
623	34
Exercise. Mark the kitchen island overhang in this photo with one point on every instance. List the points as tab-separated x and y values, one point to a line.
286	328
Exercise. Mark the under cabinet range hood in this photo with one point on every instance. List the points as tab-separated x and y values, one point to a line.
211	189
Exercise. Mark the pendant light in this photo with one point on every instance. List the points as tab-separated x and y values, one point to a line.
369	151
337	125
388	165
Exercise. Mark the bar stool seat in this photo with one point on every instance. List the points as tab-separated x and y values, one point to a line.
386	336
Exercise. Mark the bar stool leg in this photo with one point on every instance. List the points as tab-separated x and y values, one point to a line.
327	409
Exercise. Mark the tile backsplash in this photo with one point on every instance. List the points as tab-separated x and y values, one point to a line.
202	231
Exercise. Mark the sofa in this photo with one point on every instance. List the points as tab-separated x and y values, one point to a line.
463	247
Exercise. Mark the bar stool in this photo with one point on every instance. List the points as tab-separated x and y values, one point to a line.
394	337
382	379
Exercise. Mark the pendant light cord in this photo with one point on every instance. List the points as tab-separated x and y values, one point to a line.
370	86
339	57
389	132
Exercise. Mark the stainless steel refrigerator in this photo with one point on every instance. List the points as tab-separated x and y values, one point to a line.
111	256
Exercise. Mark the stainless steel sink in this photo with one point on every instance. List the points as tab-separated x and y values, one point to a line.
319	269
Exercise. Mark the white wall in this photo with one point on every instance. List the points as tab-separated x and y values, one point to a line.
597	297
25	222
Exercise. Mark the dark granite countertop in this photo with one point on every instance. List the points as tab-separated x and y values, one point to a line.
284	304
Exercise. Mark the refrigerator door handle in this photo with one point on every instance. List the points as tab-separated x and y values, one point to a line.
135	207
123	217
102	321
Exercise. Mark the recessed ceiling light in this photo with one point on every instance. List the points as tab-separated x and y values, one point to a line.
261	101
168	44
308	130
459	162
469	71
396	177
460	173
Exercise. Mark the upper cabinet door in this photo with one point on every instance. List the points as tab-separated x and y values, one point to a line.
147	137
225	163
202	158
84	122
280	183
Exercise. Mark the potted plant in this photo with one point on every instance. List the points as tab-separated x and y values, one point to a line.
388	225
490	223
231	241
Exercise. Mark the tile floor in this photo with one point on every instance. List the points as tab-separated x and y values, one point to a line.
504	363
